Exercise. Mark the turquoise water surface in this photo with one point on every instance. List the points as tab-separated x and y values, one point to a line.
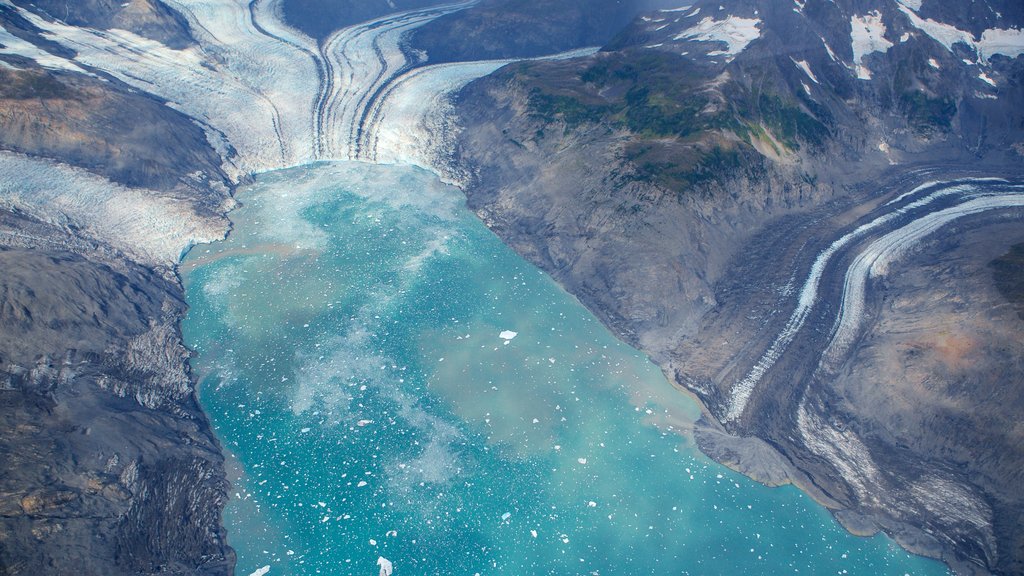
391	380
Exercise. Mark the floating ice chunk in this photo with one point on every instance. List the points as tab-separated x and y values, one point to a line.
361	484
386	568
304	430
581	460
373	543
506	516
363	423
261	571
591	504
508	335
533	533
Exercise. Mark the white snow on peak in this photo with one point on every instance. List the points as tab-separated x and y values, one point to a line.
867	34
680	9
944	34
11	44
803	65
735	31
985	78
1006	41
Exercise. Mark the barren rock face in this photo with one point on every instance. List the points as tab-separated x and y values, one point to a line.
691	216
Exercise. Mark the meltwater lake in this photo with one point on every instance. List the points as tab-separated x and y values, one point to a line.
390	380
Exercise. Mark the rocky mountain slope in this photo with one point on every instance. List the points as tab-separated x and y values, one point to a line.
731	186
110	466
728	186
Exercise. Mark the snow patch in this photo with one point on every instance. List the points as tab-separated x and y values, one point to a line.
803	65
14	46
1005	41
867	34
734	31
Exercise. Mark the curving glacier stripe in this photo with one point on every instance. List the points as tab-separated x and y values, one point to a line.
259	87
254	89
740	393
361	60
408	119
875	260
933	184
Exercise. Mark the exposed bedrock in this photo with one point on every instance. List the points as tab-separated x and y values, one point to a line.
130	138
694	237
495	29
110	467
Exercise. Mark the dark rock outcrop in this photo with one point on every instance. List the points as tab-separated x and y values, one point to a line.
681	187
110	466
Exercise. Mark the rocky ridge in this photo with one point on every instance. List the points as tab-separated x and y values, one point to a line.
686	180
110	464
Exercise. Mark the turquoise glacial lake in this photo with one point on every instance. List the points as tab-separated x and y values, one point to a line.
390	380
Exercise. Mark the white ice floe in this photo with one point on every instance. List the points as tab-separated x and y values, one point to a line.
261	571
867	35
150	227
734	31
507	335
386	567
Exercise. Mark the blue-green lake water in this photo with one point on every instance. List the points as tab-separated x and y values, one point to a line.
355	348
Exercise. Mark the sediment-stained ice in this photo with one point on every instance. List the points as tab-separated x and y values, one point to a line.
14	46
148	226
741	392
877	258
